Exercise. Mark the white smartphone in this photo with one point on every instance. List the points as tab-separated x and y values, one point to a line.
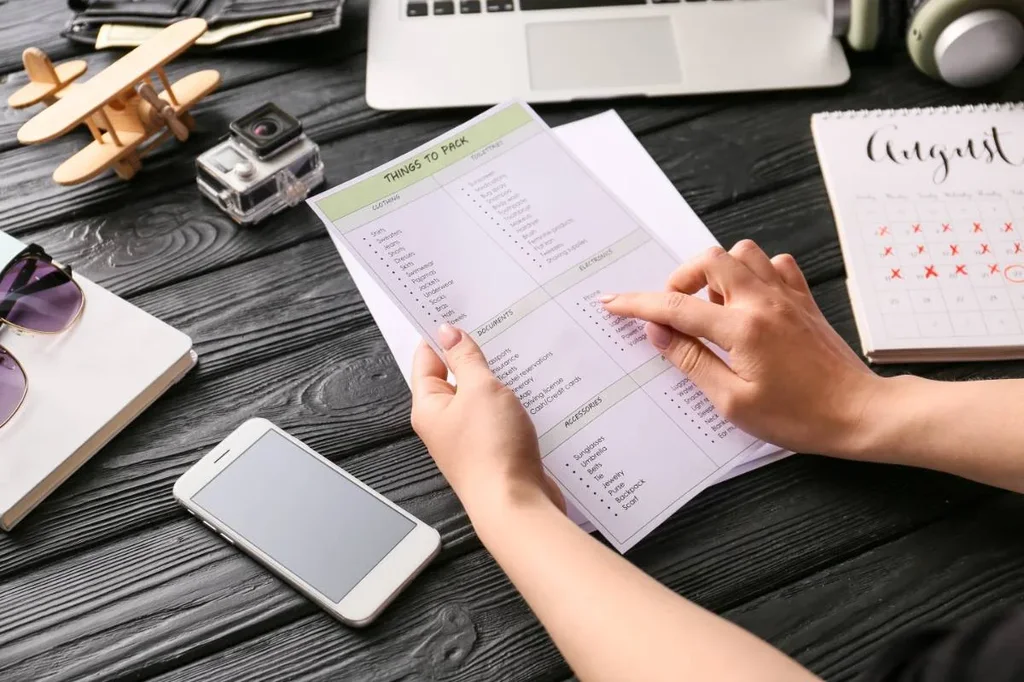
331	537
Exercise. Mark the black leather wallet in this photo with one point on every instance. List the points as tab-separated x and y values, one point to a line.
90	15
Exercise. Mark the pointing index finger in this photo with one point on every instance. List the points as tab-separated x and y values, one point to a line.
688	315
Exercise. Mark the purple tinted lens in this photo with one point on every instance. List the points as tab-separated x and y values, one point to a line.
38	296
12	386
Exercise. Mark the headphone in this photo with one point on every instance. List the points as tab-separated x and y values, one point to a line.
965	43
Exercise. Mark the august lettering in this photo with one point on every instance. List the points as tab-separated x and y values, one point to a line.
885	146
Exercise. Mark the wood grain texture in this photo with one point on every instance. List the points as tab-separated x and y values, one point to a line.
793	502
110	580
713	537
763	142
837	620
310	392
695	555
184	597
33	24
255	321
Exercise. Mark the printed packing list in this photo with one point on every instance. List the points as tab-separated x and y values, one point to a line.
498	229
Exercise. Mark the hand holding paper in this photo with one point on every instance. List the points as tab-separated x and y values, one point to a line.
509	236
480	435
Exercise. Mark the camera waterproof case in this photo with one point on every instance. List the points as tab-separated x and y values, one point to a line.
264	165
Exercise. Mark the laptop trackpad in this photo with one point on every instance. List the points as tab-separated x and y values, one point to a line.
602	53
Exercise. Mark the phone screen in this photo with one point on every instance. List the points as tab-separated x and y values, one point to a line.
305	515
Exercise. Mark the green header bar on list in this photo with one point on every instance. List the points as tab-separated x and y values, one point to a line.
424	163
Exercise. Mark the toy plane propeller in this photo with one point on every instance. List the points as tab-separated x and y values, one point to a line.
120	106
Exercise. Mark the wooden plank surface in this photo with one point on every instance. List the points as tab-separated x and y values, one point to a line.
110	580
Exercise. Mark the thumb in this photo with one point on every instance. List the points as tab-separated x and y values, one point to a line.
464	356
694	358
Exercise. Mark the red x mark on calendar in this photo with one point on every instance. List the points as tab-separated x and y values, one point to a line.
961	270
946	227
1017	248
883	230
929	271
993	269
984	249
1007	227
895	274
977	228
920	248
887	252
916	227
954	250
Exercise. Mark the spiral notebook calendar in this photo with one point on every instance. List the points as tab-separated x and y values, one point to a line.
929	207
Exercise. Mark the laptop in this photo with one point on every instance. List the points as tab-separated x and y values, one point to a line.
452	53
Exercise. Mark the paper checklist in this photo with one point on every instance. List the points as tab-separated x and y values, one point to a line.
511	232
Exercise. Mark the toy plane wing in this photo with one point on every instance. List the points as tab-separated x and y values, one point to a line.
82	102
120	106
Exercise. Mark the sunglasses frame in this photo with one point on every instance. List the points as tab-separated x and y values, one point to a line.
24	393
34	251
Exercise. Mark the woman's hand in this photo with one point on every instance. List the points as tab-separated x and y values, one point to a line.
793	381
486	446
479	434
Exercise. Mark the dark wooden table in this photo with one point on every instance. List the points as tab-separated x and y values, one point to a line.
110	580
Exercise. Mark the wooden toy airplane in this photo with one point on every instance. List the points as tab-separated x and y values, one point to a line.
120	105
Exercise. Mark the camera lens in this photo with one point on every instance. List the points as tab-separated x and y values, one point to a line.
265	128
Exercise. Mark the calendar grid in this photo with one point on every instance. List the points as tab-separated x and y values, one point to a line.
946	266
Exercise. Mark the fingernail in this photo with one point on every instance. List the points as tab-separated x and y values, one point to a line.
659	335
448	336
607	298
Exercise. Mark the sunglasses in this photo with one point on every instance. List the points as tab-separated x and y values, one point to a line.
37	296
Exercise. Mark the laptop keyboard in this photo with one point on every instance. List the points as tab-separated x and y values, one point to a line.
423	8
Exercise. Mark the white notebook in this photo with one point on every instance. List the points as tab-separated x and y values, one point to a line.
84	386
929	206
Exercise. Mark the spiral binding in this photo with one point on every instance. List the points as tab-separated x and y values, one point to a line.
923	111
